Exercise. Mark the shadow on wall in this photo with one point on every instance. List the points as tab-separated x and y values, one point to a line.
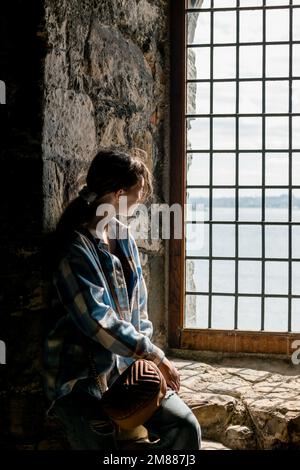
22	51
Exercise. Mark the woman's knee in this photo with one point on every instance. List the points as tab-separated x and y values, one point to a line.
193	429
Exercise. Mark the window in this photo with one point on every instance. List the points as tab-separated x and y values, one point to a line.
236	128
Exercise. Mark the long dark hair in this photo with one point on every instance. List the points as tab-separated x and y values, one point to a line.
109	171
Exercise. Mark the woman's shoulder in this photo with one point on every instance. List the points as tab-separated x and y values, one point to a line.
77	246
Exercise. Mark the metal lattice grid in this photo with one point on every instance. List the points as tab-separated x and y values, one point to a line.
207	146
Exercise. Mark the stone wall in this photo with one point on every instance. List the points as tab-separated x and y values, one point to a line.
22	52
79	74
106	84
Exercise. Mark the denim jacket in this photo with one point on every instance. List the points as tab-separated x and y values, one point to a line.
89	322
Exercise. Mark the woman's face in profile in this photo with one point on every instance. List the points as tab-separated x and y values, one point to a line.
132	198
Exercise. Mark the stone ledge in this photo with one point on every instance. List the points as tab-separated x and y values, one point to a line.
242	407
211	445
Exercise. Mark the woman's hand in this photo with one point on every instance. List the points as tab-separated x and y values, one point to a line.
170	374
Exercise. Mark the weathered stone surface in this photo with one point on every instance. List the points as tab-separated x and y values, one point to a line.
211	410
80	74
25	414
69	126
106	85
21	63
277	423
243	408
240	437
211	445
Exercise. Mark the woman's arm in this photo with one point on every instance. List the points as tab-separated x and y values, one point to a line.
169	372
81	290
146	326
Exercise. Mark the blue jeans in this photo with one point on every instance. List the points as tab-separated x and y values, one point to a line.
175	424
86	427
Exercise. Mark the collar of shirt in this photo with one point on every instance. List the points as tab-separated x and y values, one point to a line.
116	230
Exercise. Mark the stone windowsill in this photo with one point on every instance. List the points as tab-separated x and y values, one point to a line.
243	407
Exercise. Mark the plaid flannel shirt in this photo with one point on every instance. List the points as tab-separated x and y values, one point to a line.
88	320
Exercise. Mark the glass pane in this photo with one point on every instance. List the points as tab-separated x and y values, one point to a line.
223	240
194	212
222	312
296	60
225	27
224	169
225	3
296	278
276	277
249	277
224	204
296	205
296	168
249	317
277	2
223	274
250	169
249	241
223	133
249	205
276	241
197	240
250	165
277	132
224	98
197	168
277	61
276	314
277	24
296	132
250	97
198	96
197	275
198	63
198	28
252	3
199	4
197	204
296	241
276	205
277	96
277	169
296	24
198	134
296	95
251	26
250	61
196	311
224	62
296	315
250	133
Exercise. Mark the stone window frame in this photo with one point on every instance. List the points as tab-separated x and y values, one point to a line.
180	337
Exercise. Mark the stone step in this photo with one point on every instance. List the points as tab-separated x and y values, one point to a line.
211	445
242	407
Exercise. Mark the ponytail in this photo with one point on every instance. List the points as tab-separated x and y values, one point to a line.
110	170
